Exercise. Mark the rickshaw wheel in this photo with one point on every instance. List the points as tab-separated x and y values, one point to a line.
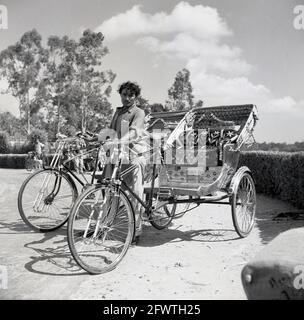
243	204
163	216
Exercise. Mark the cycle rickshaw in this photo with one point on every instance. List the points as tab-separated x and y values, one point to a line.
101	223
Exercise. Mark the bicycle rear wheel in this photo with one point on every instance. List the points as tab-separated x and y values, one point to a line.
100	229
45	199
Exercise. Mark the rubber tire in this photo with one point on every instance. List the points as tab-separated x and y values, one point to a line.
20	195
233	200
74	211
157	226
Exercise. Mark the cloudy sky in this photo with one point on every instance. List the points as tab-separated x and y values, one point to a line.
237	51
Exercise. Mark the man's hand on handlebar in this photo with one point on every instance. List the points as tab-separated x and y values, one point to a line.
87	136
114	142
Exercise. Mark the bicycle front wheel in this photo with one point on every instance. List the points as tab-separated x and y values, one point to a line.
45	199
100	229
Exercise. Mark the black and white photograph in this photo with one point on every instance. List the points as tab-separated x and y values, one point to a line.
151	151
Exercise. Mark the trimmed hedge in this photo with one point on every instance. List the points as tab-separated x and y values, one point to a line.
13	161
279	174
17	161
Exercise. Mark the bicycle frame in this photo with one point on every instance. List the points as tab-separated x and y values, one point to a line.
57	164
117	180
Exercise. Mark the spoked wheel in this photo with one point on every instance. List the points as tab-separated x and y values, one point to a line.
243	204
162	213
45	199
100	229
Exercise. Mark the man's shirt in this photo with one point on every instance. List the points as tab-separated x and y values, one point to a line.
126	119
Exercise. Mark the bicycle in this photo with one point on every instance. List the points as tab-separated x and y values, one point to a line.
46	197
102	221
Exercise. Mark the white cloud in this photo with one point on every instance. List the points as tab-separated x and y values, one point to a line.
199	21
193	32
196	36
216	90
204	55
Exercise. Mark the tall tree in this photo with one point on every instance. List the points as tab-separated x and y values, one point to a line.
75	89
58	78
157	107
62	85
180	94
21	65
90	80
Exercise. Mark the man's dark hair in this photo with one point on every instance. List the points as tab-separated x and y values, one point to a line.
132	87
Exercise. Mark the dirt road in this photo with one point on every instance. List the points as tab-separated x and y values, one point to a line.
198	257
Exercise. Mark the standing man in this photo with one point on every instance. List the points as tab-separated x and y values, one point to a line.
128	122
38	148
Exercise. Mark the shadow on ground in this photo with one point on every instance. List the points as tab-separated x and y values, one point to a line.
55	259
152	237
273	218
49	255
14	227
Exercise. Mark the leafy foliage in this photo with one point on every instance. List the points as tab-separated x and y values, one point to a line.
61	87
9	123
21	65
279	174
180	95
157	107
283	147
37	134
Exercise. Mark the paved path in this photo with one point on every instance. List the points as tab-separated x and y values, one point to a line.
199	257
